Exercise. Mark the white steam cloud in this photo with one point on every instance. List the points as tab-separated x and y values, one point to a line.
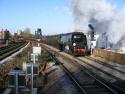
105	18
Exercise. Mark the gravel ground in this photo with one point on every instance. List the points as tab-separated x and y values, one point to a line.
57	82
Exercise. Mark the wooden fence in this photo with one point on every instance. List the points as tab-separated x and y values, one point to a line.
109	55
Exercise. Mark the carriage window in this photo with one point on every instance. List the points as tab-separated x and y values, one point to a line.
66	38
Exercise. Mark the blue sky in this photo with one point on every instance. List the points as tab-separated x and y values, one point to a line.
52	16
118	3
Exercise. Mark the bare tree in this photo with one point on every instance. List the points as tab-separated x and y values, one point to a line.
26	33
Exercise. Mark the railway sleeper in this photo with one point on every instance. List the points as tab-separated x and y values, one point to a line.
96	90
92	87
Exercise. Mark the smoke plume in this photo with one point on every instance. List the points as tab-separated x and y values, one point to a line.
106	19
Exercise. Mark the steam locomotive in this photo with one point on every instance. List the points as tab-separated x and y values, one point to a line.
74	43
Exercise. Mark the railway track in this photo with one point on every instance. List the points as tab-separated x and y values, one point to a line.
89	84
119	83
96	84
5	47
8	50
105	64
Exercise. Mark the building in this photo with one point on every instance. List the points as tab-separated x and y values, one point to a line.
4	35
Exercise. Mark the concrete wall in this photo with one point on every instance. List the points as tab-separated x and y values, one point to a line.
109	55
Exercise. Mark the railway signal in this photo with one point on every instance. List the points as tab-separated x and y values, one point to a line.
38	33
36	52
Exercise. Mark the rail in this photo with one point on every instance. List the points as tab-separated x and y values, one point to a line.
97	83
10	50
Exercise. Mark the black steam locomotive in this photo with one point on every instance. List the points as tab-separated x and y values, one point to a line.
74	43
